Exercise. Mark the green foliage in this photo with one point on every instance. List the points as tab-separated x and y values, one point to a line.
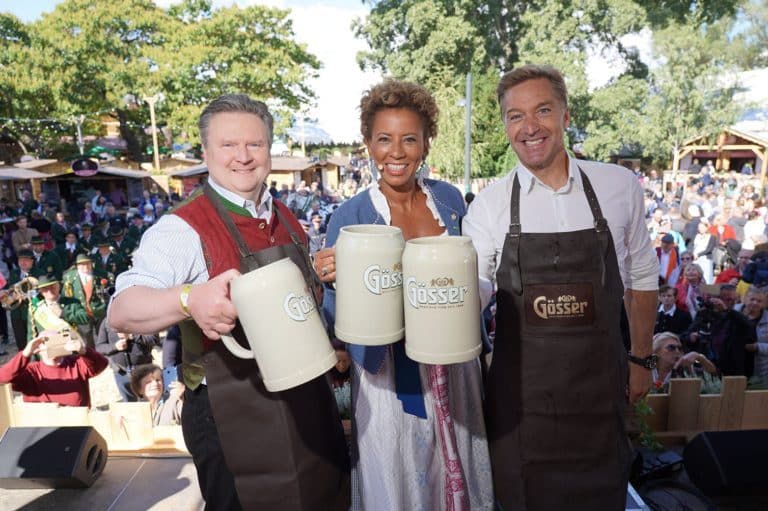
436	42
88	55
646	438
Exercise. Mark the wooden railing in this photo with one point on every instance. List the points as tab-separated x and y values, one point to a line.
126	427
685	411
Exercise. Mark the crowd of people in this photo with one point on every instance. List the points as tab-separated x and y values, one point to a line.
490	433
711	239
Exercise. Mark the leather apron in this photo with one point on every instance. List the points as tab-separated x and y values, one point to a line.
286	450
556	386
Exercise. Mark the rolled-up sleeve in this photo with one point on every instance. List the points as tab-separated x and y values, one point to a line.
642	265
170	254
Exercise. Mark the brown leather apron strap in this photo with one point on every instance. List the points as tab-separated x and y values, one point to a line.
601	224
513	235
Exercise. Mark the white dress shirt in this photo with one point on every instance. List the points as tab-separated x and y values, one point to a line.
170	253
670	312
544	210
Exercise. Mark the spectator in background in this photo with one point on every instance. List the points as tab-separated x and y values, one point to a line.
702	247
668	257
88	215
99	205
753	308
670	318
722	334
149	214
672	363
147	383
22	236
60	379
316	234
125	352
686	258
118	198
273	189
689	289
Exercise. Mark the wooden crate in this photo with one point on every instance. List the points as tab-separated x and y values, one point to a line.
126	427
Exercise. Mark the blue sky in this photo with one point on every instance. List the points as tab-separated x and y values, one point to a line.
28	10
340	84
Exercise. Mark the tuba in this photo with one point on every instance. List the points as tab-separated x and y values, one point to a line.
18	292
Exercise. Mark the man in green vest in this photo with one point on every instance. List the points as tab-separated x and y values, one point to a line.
106	262
46	262
68	251
81	283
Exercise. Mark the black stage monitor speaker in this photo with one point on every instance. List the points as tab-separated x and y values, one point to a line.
56	457
728	463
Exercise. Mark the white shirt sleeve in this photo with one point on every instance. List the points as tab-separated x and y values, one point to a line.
642	265
170	254
477	225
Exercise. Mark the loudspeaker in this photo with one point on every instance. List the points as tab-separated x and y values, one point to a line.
55	457
728	463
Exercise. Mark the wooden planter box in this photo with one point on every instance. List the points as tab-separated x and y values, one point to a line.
684	412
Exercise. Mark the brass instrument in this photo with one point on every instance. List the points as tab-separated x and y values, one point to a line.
19	292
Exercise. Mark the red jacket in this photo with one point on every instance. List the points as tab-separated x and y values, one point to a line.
728	233
66	384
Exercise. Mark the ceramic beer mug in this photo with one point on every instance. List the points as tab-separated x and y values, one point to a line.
369	280
442	306
283	326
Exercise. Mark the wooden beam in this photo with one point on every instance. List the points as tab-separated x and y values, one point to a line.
730	147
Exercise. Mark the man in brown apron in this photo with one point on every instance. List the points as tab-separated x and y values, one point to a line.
253	449
564	241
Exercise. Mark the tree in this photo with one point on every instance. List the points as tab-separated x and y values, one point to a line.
490	37
692	92
88	56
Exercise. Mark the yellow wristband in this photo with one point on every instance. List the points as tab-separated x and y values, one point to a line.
184	299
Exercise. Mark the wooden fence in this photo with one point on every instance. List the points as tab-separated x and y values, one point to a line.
685	411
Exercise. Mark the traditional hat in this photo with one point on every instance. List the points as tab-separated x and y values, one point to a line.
46	281
82	258
25	253
87	226
116	230
37	240
104	243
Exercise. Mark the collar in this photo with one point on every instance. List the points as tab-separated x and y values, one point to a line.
236	204
528	179
670	312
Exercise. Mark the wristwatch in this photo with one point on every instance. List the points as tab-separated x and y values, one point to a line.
648	362
184	299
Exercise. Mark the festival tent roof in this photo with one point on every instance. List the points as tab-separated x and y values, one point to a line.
7	173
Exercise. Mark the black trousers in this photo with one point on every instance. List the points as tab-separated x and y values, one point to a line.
202	439
19	332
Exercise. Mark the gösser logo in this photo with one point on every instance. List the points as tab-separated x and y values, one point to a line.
298	307
441	291
377	280
566	306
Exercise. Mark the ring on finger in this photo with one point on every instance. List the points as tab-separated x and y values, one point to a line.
324	271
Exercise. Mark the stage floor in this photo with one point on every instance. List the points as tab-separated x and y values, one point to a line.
127	484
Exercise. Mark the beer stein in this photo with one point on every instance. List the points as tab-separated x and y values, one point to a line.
442	306
282	325
369	280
